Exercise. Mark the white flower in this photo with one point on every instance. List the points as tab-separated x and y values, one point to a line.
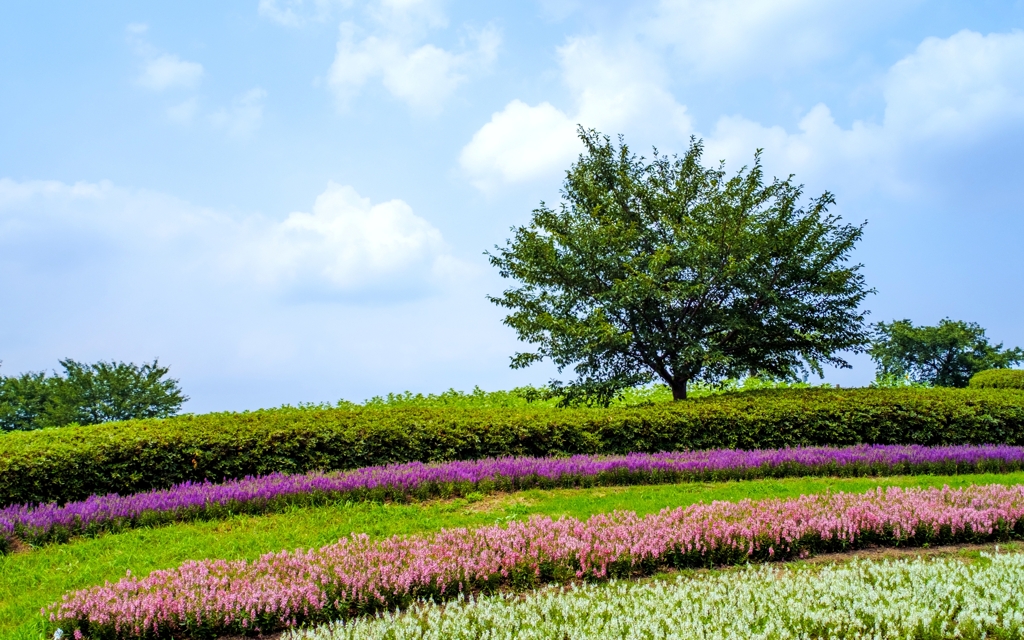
890	600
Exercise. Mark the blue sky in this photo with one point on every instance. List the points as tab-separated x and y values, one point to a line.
289	200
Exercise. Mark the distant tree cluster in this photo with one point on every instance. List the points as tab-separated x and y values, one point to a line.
947	355
88	394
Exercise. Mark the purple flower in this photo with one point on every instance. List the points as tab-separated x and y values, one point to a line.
42	523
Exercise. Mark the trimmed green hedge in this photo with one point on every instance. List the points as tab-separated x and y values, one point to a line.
71	463
998	379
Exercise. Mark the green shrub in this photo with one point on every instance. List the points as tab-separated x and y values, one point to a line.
998	379
537	397
74	462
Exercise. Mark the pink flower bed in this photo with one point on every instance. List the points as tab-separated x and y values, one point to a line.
358	575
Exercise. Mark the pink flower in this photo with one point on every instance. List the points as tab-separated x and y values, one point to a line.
358	575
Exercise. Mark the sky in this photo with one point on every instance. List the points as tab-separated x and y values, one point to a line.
289	200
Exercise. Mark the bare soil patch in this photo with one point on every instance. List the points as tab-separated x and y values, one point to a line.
887	553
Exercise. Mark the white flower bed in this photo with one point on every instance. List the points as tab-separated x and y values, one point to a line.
946	598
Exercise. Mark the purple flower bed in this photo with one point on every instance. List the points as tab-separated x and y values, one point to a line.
399	482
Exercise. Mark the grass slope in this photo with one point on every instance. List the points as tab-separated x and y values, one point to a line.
31	579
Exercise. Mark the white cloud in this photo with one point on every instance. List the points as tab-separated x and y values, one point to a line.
520	143
398	15
345	245
422	75
858	158
244	116
424	78
958	85
296	13
618	89
281	12
408	17
346	242
163	71
558	10
750	37
948	91
169	71
15	194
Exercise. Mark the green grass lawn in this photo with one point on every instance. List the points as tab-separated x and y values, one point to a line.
32	579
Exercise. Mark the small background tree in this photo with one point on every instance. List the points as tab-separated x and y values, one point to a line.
946	355
669	270
88	394
25	401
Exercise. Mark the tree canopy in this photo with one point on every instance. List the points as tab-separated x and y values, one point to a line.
666	269
946	355
88	394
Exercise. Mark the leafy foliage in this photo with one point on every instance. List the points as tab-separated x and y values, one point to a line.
88	394
78	461
946	355
26	401
667	270
894	381
998	379
546	396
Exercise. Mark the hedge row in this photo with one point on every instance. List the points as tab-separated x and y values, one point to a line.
998	379
71	463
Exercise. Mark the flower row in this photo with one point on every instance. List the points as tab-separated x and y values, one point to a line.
52	522
359	575
944	599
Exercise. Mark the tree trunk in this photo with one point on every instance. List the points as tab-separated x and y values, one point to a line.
678	389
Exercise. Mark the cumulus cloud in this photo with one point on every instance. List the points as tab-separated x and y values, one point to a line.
408	17
169	71
420	74
615	89
957	86
296	13
519	143
748	37
619	86
946	92
857	156
243	116
346	244
164	71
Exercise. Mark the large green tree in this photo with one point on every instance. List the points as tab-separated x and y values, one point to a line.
946	355
669	270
